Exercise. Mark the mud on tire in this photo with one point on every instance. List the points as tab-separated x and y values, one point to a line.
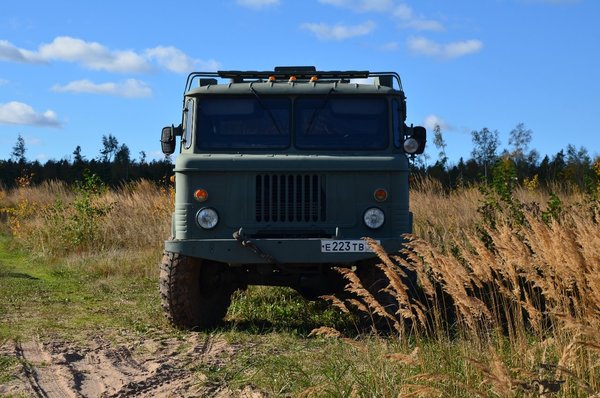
195	293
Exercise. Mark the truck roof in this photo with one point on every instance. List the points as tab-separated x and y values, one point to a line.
285	88
293	80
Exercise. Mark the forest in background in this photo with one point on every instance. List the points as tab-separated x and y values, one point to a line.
516	164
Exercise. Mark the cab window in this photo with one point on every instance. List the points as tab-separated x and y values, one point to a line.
341	123
244	122
188	123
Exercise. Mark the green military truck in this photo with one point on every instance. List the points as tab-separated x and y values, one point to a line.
279	176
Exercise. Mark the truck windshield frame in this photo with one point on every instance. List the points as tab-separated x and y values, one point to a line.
325	122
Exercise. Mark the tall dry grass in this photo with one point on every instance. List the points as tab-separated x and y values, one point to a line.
532	282
120	229
441	216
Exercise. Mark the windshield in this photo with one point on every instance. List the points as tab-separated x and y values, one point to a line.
333	122
330	122
243	122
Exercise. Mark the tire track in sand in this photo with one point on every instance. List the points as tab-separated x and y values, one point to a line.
146	368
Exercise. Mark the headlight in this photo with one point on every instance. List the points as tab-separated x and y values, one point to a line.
411	145
374	218
207	218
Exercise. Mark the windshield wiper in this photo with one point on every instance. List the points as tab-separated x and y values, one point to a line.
266	109
318	111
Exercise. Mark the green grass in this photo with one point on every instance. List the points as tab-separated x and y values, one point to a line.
8	365
42	296
283	365
261	309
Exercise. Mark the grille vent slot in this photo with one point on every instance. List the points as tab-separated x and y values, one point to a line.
290	198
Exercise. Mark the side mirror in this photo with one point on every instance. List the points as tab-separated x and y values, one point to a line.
167	140
420	134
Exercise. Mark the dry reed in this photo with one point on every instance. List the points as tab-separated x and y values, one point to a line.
538	279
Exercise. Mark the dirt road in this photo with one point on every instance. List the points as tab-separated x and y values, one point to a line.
147	367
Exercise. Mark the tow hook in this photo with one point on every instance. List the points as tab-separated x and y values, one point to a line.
247	243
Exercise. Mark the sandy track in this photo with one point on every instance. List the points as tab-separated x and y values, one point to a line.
145	368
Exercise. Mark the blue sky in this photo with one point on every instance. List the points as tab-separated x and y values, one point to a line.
72	71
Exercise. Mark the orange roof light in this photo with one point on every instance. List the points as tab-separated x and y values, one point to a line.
313	79
380	195
272	78
292	78
201	195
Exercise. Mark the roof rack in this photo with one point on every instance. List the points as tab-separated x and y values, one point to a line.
285	72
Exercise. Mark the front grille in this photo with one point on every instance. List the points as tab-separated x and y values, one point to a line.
290	198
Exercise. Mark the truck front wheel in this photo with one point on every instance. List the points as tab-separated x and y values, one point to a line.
195	293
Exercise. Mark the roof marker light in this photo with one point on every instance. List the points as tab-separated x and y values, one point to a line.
313	79
292	78
272	78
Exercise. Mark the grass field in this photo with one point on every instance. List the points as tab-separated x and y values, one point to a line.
512	303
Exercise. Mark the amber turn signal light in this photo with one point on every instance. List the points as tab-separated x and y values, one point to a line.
201	195
380	195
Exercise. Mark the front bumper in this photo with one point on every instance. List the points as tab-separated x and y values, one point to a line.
283	251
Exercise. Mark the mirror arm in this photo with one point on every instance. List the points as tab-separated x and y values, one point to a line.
177	131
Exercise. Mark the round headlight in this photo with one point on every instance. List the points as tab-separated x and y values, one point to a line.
411	145
374	218
207	218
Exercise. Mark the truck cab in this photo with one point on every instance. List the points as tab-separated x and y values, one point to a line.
279	177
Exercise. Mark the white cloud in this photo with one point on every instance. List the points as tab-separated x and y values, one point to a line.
424	46
460	48
9	52
339	31
175	60
421	45
92	55
258	3
3	82
401	12
130	88
432	120
19	113
95	56
407	19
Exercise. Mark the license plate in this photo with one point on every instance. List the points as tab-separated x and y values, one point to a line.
345	246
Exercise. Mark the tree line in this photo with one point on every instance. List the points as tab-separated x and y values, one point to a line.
114	165
516	164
